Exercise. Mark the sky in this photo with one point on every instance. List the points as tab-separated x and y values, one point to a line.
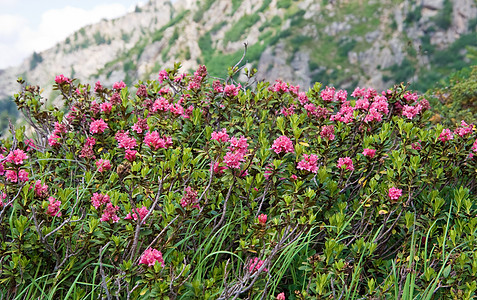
36	25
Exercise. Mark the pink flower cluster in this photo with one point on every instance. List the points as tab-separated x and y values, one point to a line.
14	177
119	85
281	296
328	132
87	150
97	126
411	111
330	94
446	135
231	90
369	152
106	107
162	75
309	163
124	141
346	163
262	219
97	200
143	211
220	136
464	129
54	207
394	193
103	165
140	126
199	75
190	198
283	144
150	256
316	111
237	150
16	157
41	190
59	79
288	111
345	113
255	264
154	141
279	87
109	213
55	136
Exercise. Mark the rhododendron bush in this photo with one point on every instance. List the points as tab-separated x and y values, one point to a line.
193	187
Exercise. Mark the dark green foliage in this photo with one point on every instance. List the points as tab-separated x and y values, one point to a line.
199	14
98	38
284	3
35	60
402	72
240	28
346	46
444	18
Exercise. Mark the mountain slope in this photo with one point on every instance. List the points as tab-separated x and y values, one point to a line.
338	42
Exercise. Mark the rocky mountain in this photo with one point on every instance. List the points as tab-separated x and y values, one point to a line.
337	42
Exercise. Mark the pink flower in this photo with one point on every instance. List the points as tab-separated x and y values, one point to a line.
220	136
279	87
162	75
154	141
411	111
416	146
109	213
341	95
303	98
140	126
23	175
283	144
11	176
369	152
262	219
54	140
103	165
41	190
143	211
362	104
218	86
239	145
281	296
98	87
176	109
328	94
464	129
115	99
293	177
54	207
232	90
309	163
30	144
161	103
150	256
373	115
474	146
233	159
119	85
95	107
190	198
327	132
346	163
124	141
130	155
288	111
87	150
141	91
106	107
218	169
59	79
446	135
99	199
255	264
394	193
16	157
97	126
345	114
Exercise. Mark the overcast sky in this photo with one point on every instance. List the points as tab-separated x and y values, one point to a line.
36	25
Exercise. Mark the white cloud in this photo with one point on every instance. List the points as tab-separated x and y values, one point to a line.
18	39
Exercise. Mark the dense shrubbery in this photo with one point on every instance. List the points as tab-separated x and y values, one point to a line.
197	189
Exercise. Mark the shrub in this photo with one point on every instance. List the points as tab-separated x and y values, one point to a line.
193	187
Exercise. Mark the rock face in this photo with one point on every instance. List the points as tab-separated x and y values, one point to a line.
343	42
